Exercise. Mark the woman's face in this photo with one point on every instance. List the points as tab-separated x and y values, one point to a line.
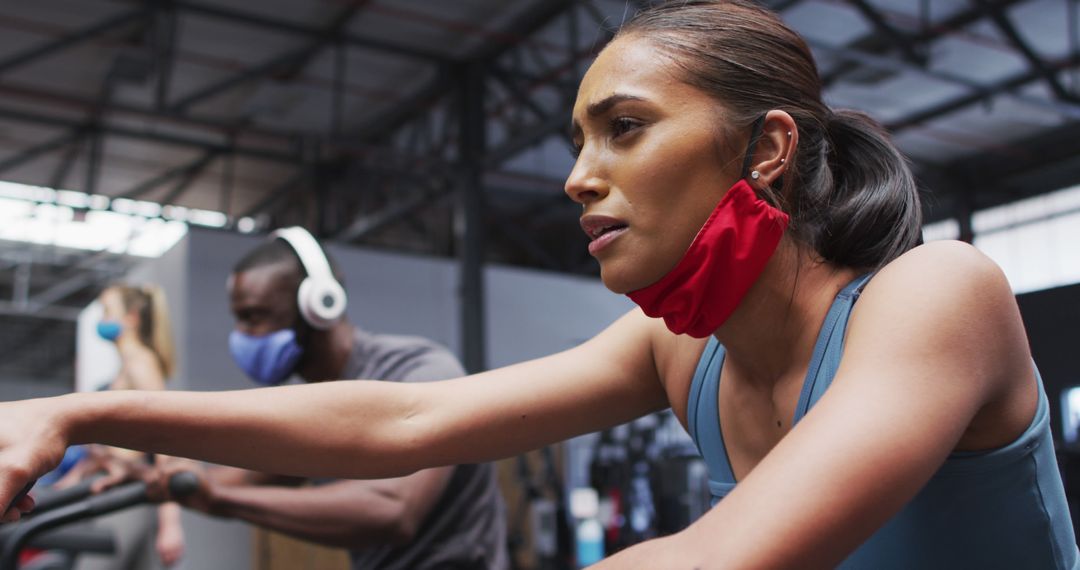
113	305
650	168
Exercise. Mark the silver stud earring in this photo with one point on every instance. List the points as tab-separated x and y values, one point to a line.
789	133
755	175
783	160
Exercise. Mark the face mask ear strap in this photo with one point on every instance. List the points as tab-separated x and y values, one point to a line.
755	134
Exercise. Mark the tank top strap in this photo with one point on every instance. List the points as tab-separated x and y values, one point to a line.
829	347
702	414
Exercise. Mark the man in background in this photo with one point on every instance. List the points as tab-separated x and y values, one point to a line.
289	309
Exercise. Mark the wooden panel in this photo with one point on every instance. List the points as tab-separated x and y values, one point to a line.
275	551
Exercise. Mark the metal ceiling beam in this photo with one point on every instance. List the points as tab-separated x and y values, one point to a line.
275	195
149	135
63	167
988	91
1043	152
83	273
277	25
907	47
517	92
1001	20
526	138
1071	110
138	190
365	226
405	109
94	154
955	22
165	32
557	122
538	17
531	20
59	291
288	64
220	125
233	81
469	214
189	178
49	312
1049	162
32	152
331	34
32	54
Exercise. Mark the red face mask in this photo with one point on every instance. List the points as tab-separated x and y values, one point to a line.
726	257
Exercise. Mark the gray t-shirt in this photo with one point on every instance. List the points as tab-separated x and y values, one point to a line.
466	528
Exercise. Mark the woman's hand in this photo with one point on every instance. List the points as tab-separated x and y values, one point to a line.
170	536
32	443
170	545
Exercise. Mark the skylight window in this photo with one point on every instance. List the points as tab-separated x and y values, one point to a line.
1035	241
65	218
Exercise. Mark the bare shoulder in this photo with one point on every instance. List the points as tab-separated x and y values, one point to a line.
945	304
950	277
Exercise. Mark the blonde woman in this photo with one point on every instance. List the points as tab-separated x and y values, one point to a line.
136	319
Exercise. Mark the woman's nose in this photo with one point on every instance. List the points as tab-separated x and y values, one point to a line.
585	183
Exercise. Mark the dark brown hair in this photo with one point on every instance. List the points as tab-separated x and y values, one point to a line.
850	193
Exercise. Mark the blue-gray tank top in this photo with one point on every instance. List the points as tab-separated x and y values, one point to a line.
1003	508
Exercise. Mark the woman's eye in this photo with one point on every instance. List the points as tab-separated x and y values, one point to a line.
623	125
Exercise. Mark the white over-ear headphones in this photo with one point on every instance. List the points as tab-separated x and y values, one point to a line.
320	297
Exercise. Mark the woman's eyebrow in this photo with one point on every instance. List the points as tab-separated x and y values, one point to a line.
604	105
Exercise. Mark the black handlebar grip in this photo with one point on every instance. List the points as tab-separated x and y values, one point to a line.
183	484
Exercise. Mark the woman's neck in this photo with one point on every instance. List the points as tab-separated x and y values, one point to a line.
771	334
129	343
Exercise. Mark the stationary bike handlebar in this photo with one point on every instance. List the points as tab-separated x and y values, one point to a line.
76	504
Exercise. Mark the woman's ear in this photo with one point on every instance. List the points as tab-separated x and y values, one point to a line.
775	148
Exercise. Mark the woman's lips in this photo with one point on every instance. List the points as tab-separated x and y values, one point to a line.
605	239
602	230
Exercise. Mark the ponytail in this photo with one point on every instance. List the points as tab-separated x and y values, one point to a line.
872	213
161	341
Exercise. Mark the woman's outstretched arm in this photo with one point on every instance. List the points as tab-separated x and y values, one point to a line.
358	429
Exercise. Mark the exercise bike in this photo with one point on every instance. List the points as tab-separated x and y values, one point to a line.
54	510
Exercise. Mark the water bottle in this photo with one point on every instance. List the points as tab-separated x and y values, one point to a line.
589	535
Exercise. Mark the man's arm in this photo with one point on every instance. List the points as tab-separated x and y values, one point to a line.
343	513
346	514
222	475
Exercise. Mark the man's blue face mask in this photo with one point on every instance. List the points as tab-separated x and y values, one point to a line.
267	359
109	330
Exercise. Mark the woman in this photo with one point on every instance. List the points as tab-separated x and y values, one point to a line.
733	206
136	319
